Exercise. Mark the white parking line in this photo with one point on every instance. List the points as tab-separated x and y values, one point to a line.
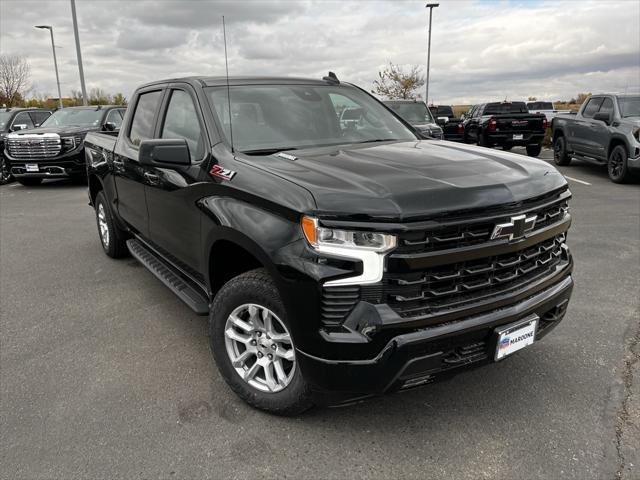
576	180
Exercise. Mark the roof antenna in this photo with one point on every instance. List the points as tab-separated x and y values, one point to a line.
226	63
331	78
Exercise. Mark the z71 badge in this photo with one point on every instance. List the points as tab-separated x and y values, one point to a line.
224	173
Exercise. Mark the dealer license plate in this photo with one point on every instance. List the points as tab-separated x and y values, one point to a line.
518	136
32	167
515	336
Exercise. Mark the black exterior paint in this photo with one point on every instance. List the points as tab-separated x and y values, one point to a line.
191	217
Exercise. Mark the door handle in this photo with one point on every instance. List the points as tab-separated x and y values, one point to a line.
152	178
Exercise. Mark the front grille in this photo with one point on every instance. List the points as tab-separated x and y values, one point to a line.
37	146
457	285
472	233
337	303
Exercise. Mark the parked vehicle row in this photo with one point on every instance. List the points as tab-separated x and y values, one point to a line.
452	126
605	131
14	120
54	148
548	109
416	114
334	262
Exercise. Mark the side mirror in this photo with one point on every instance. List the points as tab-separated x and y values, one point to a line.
605	117
19	126
164	153
441	121
109	127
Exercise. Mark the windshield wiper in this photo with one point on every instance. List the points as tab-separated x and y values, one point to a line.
379	140
268	151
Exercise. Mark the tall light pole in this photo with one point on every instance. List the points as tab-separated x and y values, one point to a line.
78	52
430	6
55	61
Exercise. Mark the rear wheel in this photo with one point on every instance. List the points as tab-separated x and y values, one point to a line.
253	347
506	148
534	150
30	182
482	142
112	238
617	165
560	155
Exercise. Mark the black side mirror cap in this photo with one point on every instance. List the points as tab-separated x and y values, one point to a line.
164	152
109	127
602	116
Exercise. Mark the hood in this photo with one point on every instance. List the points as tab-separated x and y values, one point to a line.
68	130
411	180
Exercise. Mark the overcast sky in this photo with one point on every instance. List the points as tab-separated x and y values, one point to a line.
481	50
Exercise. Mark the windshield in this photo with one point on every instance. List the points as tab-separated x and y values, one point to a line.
281	117
505	107
412	112
629	106
81	117
442	111
4	119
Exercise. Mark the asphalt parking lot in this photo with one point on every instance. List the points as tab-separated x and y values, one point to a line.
106	374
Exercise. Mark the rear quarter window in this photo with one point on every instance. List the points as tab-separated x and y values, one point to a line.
142	122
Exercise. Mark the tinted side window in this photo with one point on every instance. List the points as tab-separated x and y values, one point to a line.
607	106
181	121
39	117
592	107
142	122
115	117
23	118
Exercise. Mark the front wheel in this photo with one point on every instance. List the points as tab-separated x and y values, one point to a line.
617	165
560	155
112	238
253	348
534	150
5	174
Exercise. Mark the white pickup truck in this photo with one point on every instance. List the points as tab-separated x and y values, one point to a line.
547	108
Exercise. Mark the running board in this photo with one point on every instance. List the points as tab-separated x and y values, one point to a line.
168	275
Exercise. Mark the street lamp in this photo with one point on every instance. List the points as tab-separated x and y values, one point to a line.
430	6
55	61
78	52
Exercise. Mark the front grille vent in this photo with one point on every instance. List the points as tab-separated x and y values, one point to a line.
337	303
36	146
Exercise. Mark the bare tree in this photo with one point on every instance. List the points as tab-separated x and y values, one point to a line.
395	83
14	78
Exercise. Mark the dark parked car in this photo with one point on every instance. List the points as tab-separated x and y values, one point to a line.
334	263
505	124
13	120
417	115
56	148
606	131
453	128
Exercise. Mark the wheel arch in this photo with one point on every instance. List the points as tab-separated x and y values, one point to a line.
614	142
95	186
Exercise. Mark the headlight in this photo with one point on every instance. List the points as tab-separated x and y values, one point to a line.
68	143
636	133
367	247
319	236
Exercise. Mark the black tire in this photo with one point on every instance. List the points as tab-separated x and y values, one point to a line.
5	175
254	287
29	182
114	242
482	141
534	150
560	154
617	165
506	148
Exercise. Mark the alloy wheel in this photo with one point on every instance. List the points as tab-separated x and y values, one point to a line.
616	164
102	224
260	348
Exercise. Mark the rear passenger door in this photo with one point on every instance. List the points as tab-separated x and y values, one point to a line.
128	174
174	219
580	138
598	140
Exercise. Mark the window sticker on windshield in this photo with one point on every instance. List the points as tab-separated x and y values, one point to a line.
224	173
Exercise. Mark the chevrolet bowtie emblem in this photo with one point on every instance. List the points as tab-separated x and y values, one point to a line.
516	228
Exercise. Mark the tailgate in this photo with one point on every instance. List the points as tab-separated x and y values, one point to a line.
520	123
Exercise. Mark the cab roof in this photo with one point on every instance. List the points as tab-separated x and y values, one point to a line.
240	80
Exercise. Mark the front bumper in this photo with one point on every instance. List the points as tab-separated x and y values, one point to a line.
59	167
428	354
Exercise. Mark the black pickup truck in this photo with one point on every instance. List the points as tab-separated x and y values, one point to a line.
505	124
55	148
334	263
14	120
453	128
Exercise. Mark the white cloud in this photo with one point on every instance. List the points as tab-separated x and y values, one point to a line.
480	50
